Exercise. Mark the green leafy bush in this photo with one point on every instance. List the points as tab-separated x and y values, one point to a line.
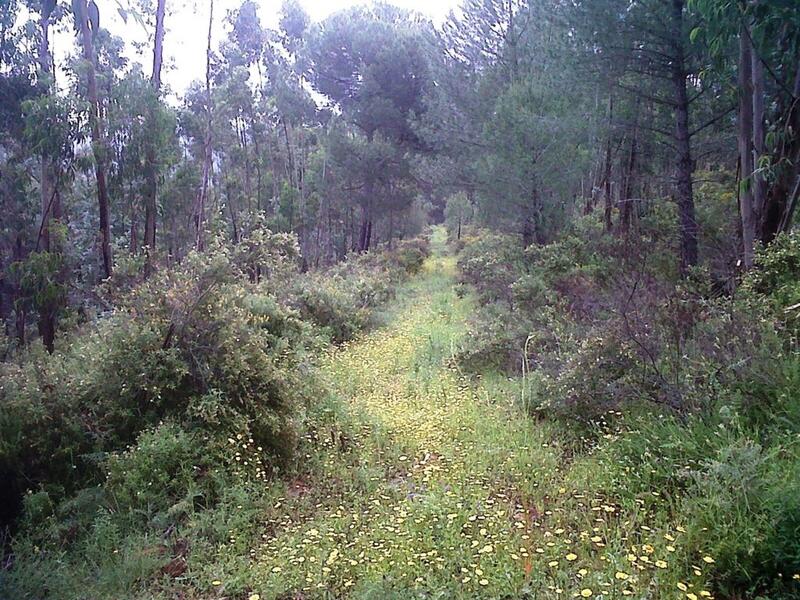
207	328
342	298
777	276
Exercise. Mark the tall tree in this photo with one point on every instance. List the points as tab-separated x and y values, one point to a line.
202	195
652	43
87	24
767	37
49	197
371	65
151	166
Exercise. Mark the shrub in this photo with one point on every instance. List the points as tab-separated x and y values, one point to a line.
342	298
411	254
777	275
673	386
207	328
490	264
745	503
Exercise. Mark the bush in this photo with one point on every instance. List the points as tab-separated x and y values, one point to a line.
750	517
672	386
777	276
204	329
411	254
491	264
341	299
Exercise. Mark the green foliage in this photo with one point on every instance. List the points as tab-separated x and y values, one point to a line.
777	275
168	473
672	389
458	214
39	278
410	255
53	126
341	299
201	329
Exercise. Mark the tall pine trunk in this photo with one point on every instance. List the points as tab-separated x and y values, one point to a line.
746	207
607	197
627	202
684	194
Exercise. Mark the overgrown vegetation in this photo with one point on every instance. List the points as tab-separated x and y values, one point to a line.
671	387
496	303
200	383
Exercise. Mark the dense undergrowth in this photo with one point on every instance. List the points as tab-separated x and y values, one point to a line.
142	434
679	396
543	433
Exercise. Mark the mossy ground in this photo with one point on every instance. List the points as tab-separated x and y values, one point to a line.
428	484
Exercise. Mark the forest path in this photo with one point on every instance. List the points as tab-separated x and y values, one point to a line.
431	490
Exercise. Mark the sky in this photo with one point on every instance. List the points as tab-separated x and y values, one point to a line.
187	25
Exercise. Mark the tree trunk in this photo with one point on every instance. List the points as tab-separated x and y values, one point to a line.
133	246
47	193
627	187
527	231
608	200
289	154
98	149
785	192
47	329
46	175
746	210
151	170
759	138
684	167
19	306
200	212
232	213
6	299
391	227
530	224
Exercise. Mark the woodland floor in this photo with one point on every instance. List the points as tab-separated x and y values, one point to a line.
439	486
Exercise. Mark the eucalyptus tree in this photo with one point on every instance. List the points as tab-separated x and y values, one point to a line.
37	139
17	164
199	217
151	164
87	26
757	46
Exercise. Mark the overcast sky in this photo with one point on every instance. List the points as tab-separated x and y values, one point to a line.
186	28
